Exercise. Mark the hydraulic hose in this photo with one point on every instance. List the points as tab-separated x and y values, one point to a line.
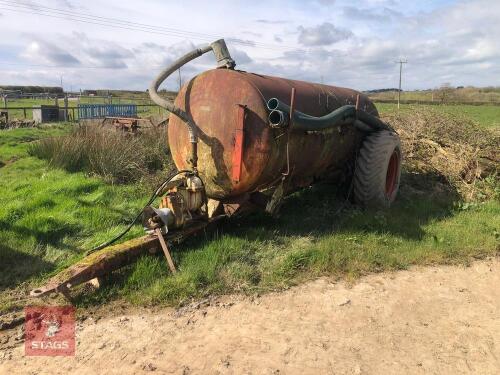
347	114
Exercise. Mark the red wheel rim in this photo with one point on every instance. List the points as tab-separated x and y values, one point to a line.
392	174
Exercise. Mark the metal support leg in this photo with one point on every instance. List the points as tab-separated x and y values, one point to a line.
165	250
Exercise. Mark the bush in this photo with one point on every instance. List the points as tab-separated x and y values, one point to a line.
116	156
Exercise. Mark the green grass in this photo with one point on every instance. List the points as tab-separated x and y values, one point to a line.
458	95
14	143
48	217
488	116
260	253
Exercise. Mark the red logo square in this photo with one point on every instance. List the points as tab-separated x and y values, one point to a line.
49	331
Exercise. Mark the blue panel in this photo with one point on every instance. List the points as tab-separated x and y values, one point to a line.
92	111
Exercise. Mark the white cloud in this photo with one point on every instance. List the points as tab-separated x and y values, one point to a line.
322	35
377	14
273	22
40	51
99	52
343	45
327	2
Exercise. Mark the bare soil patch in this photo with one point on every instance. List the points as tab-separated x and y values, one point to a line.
443	320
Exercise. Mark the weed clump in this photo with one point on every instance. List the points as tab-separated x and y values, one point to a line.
116	156
452	147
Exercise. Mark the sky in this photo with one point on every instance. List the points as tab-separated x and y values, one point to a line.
123	44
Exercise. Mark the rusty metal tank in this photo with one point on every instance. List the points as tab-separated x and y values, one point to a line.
238	152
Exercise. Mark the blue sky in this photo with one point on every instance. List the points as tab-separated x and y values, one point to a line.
344	43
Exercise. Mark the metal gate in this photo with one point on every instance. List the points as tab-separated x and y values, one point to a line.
92	111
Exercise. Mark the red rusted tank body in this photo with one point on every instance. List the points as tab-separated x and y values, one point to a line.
238	152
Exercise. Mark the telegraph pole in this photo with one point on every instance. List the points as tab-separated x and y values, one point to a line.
180	80
400	62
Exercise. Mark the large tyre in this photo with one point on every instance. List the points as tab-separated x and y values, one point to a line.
378	170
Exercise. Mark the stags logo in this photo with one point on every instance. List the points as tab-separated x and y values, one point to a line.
49	330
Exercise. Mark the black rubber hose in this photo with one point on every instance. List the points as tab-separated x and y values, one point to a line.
372	121
301	121
169	106
346	114
224	59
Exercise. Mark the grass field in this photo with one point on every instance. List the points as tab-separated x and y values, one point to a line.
446	94
49	217
488	116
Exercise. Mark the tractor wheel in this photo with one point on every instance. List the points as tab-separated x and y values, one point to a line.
378	170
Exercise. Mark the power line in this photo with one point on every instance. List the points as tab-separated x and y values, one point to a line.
37	7
71	18
123	24
128	23
77	66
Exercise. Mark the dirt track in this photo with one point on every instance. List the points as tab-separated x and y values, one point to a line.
440	320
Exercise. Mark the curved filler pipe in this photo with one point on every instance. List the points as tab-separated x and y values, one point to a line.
347	114
224	60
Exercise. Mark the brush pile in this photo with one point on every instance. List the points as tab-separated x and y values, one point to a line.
452	147
16	124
